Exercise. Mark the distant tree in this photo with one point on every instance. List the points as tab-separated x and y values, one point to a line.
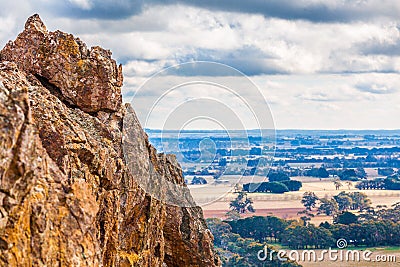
385	171
325	225
359	201
346	218
371	158
343	200
306	217
222	162
318	172
273	187
309	200
328	206
198	180
278	177
349	184
302	237
337	184
256	151
348	175
278	188
305	220
296	236
241	203
275	226
253	162
396	205
378	183
323	173
232	215
392	183
218	228
260	228
242	252
293	185
360	172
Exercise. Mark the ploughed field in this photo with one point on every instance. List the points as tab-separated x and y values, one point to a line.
215	198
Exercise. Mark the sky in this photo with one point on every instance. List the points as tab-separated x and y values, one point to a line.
317	64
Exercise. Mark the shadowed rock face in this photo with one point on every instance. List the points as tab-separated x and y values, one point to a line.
66	195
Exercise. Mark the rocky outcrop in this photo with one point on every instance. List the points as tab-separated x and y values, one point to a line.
67	194
87	79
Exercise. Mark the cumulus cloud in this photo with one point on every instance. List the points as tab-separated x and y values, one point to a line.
376	88
325	101
382	47
98	9
321	64
83	4
315	10
296	101
311	10
319	97
252	43
374	84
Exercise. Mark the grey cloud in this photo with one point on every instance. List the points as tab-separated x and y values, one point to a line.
155	45
285	9
377	48
249	59
99	9
317	97
375	88
327	11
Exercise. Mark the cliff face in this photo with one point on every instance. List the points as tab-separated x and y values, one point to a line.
67	196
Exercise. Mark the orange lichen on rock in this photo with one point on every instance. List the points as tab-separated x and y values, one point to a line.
57	55
66	195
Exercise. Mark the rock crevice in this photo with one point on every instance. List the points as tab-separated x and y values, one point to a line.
67	197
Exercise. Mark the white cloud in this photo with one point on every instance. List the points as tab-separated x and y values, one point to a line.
84	4
374	84
7	26
343	105
296	101
336	74
181	33
297	47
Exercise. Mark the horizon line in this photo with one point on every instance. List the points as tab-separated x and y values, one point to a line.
281	129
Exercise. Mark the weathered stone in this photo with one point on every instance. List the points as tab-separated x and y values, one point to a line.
67	196
47	222
88	79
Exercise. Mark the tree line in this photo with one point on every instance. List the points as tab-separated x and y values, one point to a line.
332	206
373	227
279	183
235	249
388	183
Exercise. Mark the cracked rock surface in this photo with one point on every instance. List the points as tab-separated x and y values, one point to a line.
67	197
